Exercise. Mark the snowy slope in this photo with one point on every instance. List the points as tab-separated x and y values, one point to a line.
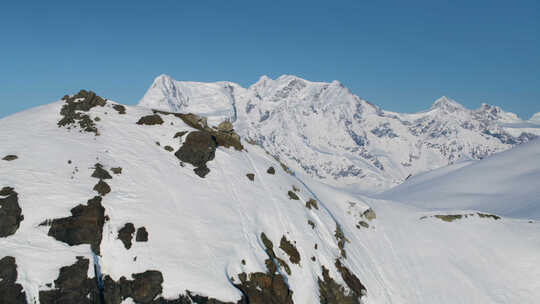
506	184
329	133
204	232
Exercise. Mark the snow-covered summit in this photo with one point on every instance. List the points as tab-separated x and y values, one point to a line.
325	131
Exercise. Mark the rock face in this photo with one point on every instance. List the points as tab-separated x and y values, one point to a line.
71	114
198	148
330	292
72	286
150	120
142	235
10	212
142	289
84	226
125	234
10	291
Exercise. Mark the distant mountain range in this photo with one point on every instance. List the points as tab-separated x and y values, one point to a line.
324	131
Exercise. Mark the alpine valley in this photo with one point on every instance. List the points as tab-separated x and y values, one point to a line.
288	191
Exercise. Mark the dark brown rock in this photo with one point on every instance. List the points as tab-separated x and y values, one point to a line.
251	176
71	114
116	170
125	234
100	173
142	235
10	212
150	120
180	134
102	188
293	195
271	170
84	226
312	204
10	157
73	286
351	280
168	148
10	291
120	109
290	250
330	292
198	148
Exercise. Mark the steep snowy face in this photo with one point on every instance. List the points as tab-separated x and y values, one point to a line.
325	131
104	203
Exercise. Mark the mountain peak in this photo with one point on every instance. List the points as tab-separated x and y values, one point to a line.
447	104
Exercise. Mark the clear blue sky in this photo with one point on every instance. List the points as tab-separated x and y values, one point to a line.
400	55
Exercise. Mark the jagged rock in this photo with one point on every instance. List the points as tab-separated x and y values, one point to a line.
180	134
84	226
225	126
264	288
72	286
80	102
150	120
290	250
340	238
198	148
10	212
142	235
311	203
293	195
102	188
116	170
271	170
125	234
10	291
251	176
144	288
330	292
120	109
351	280
100	173
10	157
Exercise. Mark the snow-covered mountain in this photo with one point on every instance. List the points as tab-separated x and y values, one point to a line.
325	131
104	203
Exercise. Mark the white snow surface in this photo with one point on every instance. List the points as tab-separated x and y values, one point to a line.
507	183
200	229
329	133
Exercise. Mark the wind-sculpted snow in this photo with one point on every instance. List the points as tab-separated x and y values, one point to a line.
331	134
200	240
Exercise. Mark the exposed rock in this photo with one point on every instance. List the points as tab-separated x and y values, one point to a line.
251	176
102	188
330	292
142	235
272	258
83	101
72	286
225	126
10	291
84	226
125	234
198	148
10	157
180	134
362	224
295	189
449	217
340	238
116	170
312	204
369	214
311	223
351	280
486	215
100	173
120	109
264	288
150	120
293	195
144	288
168	148
290	250
271	170
10	212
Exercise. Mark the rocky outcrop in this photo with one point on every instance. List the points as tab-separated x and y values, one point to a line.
84	226
102	188
330	292
10	157
120	109
100	172
71	114
198	148
10	212
10	291
125	234
73	286
271	170
150	120
293	195
142	235
290	250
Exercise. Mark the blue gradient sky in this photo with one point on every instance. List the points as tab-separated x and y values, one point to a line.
400	55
